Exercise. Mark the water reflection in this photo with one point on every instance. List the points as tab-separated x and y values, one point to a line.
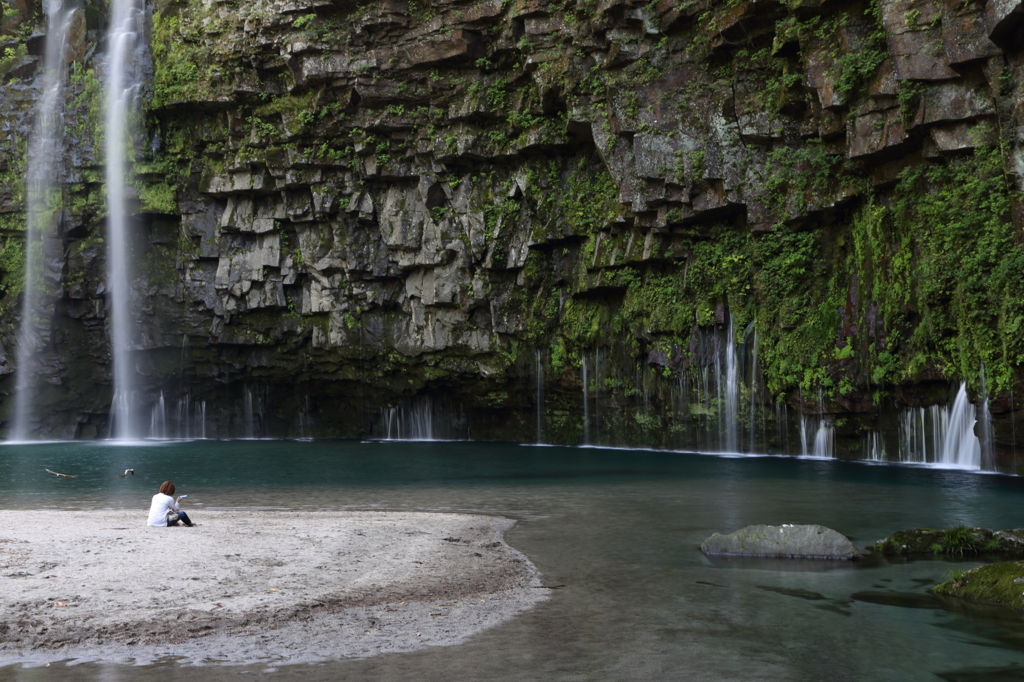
621	530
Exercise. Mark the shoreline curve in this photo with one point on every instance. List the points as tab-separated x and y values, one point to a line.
280	587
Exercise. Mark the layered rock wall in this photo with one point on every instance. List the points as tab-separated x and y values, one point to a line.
456	209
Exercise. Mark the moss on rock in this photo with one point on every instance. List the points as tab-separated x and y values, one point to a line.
959	540
1001	583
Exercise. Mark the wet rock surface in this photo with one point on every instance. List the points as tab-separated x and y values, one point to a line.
341	210
791	541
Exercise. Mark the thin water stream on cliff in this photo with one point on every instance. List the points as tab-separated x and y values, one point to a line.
621	530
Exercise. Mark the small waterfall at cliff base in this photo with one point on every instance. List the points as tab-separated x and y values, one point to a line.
961	448
538	372
731	424
158	419
250	427
423	417
43	247
940	435
987	456
414	421
125	52
817	436
586	402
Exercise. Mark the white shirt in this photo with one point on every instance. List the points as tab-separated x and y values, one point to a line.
162	505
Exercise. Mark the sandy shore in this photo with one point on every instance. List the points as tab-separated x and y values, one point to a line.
245	587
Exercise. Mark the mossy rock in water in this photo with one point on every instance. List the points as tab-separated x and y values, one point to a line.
1001	583
956	541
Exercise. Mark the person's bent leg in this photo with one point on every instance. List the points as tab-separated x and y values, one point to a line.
183	517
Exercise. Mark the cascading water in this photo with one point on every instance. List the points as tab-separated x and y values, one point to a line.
732	393
412	421
182	418
941	435
201	418
962	448
538	370
125	53
824	439
710	396
250	430
753	397
598	376
158	419
987	458
44	204
874	447
586	404
822	444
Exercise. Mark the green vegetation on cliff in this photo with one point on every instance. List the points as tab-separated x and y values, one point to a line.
440	190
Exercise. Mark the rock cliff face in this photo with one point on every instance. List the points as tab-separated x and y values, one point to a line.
462	211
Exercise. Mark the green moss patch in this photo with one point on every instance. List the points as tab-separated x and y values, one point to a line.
956	541
1001	583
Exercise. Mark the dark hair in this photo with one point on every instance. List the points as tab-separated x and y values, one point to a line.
167	488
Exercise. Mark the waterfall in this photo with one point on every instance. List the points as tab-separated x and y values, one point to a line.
961	449
586	403
538	368
44	205
824	439
731	424
201	418
125	48
183	419
181	360
412	421
753	397
913	442
874	447
598	374
941	435
1013	429
158	419
780	425
708	409
804	447
987	458
249	430
822	445
422	420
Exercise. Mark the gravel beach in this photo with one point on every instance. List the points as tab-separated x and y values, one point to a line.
252	586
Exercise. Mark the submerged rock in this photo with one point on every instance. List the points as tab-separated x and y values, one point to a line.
787	540
959	540
1001	583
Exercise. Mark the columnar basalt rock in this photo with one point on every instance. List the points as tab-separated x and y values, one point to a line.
343	206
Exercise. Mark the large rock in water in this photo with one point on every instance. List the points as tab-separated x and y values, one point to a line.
795	542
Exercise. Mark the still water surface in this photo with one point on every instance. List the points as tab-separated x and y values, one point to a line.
621	530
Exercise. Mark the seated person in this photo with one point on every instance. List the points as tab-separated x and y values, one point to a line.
164	510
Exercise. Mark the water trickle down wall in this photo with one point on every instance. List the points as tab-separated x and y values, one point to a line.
709	403
424	418
45	204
